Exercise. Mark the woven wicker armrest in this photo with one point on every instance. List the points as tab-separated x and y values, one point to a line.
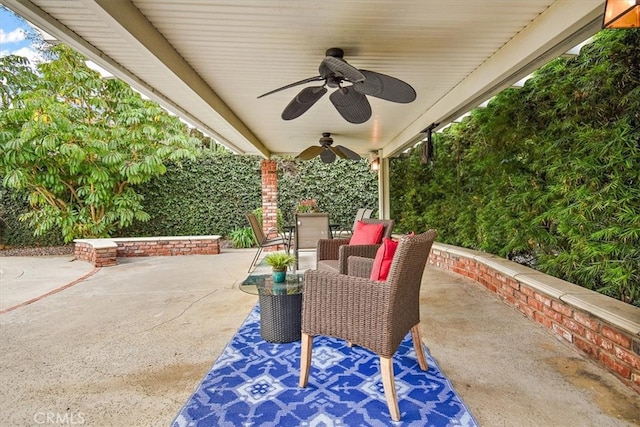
332	304
328	248
359	266
347	251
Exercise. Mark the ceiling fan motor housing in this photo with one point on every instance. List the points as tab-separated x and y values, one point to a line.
335	52
326	139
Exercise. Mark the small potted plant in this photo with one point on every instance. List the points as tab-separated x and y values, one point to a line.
279	263
307	206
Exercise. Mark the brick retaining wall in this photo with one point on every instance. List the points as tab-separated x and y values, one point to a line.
604	329
104	252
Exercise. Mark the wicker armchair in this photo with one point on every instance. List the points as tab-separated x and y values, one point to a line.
359	266
362	213
372	314
332	254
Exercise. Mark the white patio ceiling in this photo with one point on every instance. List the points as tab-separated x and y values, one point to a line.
209	60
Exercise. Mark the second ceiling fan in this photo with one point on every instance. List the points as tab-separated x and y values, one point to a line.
327	152
352	86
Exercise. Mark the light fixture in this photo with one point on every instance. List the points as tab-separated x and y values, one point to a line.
375	164
427	154
621	14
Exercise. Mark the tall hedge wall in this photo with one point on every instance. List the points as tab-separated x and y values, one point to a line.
211	194
14	232
205	196
339	188
548	174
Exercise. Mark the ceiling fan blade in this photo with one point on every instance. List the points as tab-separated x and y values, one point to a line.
331	65
347	153
385	87
327	156
351	105
301	82
303	101
310	152
338	152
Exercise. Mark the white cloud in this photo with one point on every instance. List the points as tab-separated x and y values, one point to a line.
31	54
13	36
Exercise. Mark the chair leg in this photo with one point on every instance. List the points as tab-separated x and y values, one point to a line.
418	347
386	370
255	259
305	359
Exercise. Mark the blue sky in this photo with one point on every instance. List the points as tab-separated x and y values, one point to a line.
14	40
13	36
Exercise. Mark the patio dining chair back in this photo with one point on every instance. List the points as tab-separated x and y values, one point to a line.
264	240
310	227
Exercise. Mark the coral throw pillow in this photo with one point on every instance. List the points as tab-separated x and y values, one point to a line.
382	262
367	234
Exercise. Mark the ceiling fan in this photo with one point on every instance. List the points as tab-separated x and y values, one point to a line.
327	152
353	85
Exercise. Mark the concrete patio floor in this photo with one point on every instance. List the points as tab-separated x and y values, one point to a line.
127	345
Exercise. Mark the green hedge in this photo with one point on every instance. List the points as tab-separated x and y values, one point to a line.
14	232
548	174
211	195
339	188
207	196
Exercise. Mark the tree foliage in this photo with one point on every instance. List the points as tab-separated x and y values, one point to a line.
548	174
77	143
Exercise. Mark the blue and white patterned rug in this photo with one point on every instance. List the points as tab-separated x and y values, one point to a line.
255	383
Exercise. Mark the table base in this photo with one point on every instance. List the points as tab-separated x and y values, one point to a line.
280	319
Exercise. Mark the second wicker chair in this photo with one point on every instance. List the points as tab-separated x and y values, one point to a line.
332	254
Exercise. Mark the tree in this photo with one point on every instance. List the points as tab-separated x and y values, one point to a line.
77	144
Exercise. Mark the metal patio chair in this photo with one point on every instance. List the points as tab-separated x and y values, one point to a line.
264	240
309	229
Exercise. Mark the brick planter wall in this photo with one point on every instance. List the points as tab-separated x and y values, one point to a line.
101	252
104	252
603	328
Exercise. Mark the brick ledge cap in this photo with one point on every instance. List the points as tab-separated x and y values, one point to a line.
98	243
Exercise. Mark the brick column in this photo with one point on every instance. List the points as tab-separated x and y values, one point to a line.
269	194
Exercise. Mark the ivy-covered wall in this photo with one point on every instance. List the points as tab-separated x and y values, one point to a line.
210	195
339	188
14	232
206	196
548	174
